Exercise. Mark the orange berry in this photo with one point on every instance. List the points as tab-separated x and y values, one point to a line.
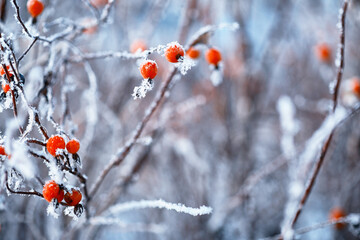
213	56
174	52
355	86
89	26
335	214
99	3
138	45
323	52
2	151
2	71
35	7
52	190
148	69
193	53
54	143
5	87
73	146
73	198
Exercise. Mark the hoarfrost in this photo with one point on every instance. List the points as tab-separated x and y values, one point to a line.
122	207
140	91
52	209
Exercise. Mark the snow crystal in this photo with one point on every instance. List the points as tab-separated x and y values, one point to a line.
185	64
52	209
69	211
140	91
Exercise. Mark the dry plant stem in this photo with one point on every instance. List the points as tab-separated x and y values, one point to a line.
326	145
20	192
27	50
124	152
314	227
17	10
12	98
342	53
314	174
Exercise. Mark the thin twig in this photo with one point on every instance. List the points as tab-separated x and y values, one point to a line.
324	149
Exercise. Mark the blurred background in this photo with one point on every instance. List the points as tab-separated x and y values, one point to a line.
226	147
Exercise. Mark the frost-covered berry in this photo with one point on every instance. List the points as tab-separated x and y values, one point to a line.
73	146
337	213
73	198
138	45
323	52
35	7
193	53
54	143
5	87
213	56
52	190
148	69
174	52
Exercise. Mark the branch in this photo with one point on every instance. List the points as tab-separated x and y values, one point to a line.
324	149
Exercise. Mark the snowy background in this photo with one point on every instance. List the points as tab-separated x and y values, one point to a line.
245	148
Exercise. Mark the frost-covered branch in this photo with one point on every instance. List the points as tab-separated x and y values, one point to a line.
122	207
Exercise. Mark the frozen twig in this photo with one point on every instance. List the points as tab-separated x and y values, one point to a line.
324	149
122	207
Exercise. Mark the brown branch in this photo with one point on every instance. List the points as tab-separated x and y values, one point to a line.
342	53
20	192
324	149
126	150
27	50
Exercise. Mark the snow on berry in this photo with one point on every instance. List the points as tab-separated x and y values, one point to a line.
35	7
52	190
54	143
174	52
73	146
148	69
73	198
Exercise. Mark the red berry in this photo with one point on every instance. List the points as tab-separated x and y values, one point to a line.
5	87
73	146
355	86
2	151
335	214
138	45
148	69
73	198
99	3
323	52
193	53
52	190
174	52
54	143
35	7
213	56
2	71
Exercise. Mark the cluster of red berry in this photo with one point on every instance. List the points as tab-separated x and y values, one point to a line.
175	53
52	190
57	142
